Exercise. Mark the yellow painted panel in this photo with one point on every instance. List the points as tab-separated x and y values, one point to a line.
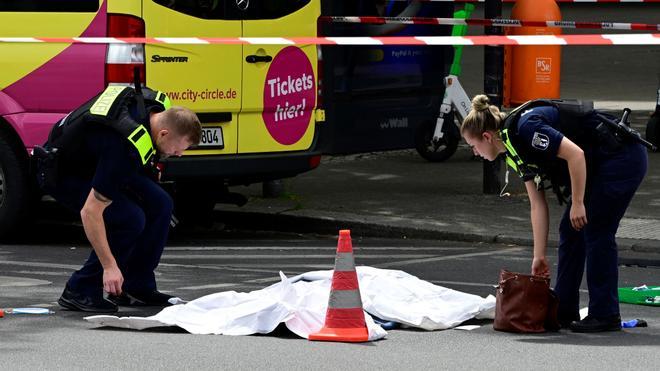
204	78
133	7
284	83
258	135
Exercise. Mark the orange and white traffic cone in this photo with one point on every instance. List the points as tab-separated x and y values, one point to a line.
344	320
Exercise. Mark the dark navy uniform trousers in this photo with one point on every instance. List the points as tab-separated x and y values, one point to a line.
137	224
615	177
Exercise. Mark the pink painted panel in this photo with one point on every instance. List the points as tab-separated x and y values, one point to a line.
33	128
36	101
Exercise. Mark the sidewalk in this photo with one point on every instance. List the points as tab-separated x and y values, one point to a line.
398	194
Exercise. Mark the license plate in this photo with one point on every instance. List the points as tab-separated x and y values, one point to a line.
211	138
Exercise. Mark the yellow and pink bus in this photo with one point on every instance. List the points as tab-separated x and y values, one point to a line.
257	103
260	105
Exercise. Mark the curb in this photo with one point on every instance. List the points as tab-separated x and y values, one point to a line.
327	225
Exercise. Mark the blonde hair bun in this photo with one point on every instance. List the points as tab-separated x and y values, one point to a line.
480	102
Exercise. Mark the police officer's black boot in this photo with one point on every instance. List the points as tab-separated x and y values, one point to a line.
566	320
597	324
75	301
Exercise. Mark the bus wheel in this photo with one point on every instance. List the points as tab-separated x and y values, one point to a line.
441	150
14	188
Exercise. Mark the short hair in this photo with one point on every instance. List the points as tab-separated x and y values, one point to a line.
482	117
184	122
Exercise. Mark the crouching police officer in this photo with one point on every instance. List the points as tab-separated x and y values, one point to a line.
99	160
592	165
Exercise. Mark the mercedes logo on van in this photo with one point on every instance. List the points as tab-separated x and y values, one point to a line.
242	4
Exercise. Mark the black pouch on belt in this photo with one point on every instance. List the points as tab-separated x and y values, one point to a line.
46	166
608	139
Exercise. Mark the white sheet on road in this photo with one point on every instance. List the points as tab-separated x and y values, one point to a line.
300	302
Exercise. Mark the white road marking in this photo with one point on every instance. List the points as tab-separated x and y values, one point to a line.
255	281
328	248
437	282
6	281
447	257
275	257
44	273
212	267
210	286
39	264
265	280
383	177
252	267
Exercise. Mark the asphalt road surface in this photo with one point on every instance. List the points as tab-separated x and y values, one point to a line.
33	273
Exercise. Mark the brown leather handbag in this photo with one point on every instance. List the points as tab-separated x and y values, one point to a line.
525	303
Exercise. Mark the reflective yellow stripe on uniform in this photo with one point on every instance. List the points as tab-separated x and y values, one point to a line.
512	164
512	158
102	105
163	99
141	139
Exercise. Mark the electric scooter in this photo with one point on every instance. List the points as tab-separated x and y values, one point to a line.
438	141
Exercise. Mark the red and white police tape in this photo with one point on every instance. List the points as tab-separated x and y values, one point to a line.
604	39
492	22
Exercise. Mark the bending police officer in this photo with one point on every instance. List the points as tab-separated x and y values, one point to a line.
99	161
594	169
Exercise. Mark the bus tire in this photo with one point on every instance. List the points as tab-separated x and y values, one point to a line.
15	187
442	150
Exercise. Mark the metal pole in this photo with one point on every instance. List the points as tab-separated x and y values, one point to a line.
493	88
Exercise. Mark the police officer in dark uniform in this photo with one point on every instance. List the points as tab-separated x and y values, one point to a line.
590	165
99	161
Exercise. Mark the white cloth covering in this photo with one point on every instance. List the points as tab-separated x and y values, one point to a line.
301	302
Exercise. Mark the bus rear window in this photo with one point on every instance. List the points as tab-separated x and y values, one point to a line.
234	9
205	9
78	6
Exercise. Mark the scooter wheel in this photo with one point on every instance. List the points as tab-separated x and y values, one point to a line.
441	150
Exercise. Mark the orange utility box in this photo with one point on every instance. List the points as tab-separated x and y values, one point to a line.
532	72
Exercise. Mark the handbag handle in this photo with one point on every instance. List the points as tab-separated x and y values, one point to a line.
532	278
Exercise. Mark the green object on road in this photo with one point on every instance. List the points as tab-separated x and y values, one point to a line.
459	30
643	295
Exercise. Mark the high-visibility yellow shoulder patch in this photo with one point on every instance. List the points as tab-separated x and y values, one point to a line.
164	100
141	140
102	105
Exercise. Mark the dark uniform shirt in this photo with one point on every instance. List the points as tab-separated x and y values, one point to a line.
537	140
105	158
538	134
